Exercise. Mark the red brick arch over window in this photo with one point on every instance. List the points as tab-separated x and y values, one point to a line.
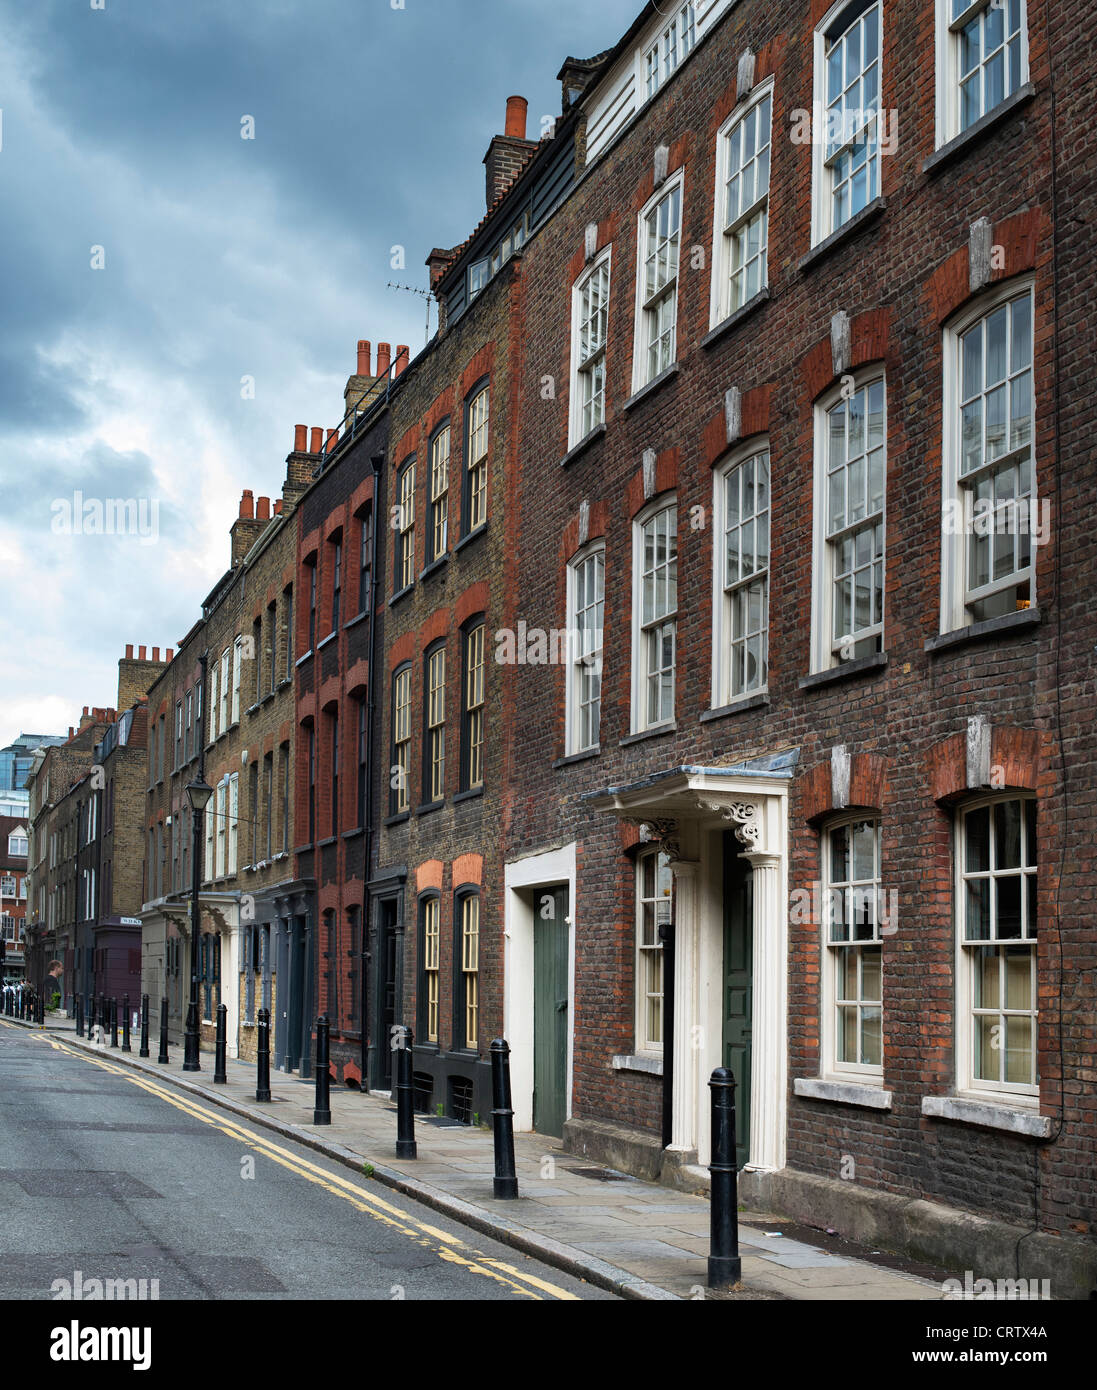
868	342
813	793
468	869
1025	241
429	876
666	480
1017	761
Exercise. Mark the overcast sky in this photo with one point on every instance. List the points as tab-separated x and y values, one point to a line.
216	258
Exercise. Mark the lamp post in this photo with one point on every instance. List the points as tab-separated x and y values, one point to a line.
198	794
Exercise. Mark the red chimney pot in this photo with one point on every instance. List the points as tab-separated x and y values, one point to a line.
403	356
365	351
247	505
129	651
170	655
300	438
317	440
277	506
156	653
263	512
384	358
141	653
517	108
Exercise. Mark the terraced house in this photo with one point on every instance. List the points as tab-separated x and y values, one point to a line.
223	711
804	792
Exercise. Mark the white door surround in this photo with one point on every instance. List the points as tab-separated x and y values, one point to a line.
521	880
687	811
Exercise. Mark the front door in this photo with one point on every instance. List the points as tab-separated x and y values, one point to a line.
550	1009
738	986
386	991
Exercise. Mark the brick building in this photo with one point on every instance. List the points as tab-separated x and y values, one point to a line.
340	622
435	896
223	711
839	767
14	849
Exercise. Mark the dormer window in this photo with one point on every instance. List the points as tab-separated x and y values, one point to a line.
671	48
479	275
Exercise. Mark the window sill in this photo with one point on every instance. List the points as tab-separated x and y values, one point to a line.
287	680
649	1065
434	567
652	386
864	1094
747	702
987	630
654	732
302	659
743	311
330	840
353	622
1030	1124
269	696
327	641
304	849
847	229
397	820
598	432
582	757
468	795
353	834
481	530
429	807
403	593
961	143
846	671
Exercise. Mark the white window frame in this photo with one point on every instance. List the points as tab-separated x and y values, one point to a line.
855	891
723	616
958	498
822	172
642	337
221	806
583	651
584	369
640	669
947	106
237	660
723	233
226	660
1014	1094
648	953
214	706
233	822
825	652
679	36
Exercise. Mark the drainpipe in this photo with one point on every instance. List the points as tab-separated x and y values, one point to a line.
377	463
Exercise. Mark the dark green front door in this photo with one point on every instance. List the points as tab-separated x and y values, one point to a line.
738	986
550	1009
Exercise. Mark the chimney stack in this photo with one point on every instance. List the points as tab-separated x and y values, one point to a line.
507	154
300	439
365	352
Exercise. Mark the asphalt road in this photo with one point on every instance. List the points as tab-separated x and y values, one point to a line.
120	1178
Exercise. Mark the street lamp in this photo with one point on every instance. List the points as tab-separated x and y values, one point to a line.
198	794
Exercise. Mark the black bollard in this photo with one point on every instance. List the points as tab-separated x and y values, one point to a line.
262	1074
78	1009
220	1050
163	1058
725	1268
114	1022
143	1050
91	1018
126	1023
502	1120
405	1099
321	1115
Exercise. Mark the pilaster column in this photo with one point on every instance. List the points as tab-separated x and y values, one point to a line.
687	1057
769	1063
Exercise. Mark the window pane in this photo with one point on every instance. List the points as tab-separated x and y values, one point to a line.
1007	835
977	835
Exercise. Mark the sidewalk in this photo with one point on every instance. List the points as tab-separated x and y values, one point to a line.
638	1239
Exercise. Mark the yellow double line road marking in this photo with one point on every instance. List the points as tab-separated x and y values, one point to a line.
447	1247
